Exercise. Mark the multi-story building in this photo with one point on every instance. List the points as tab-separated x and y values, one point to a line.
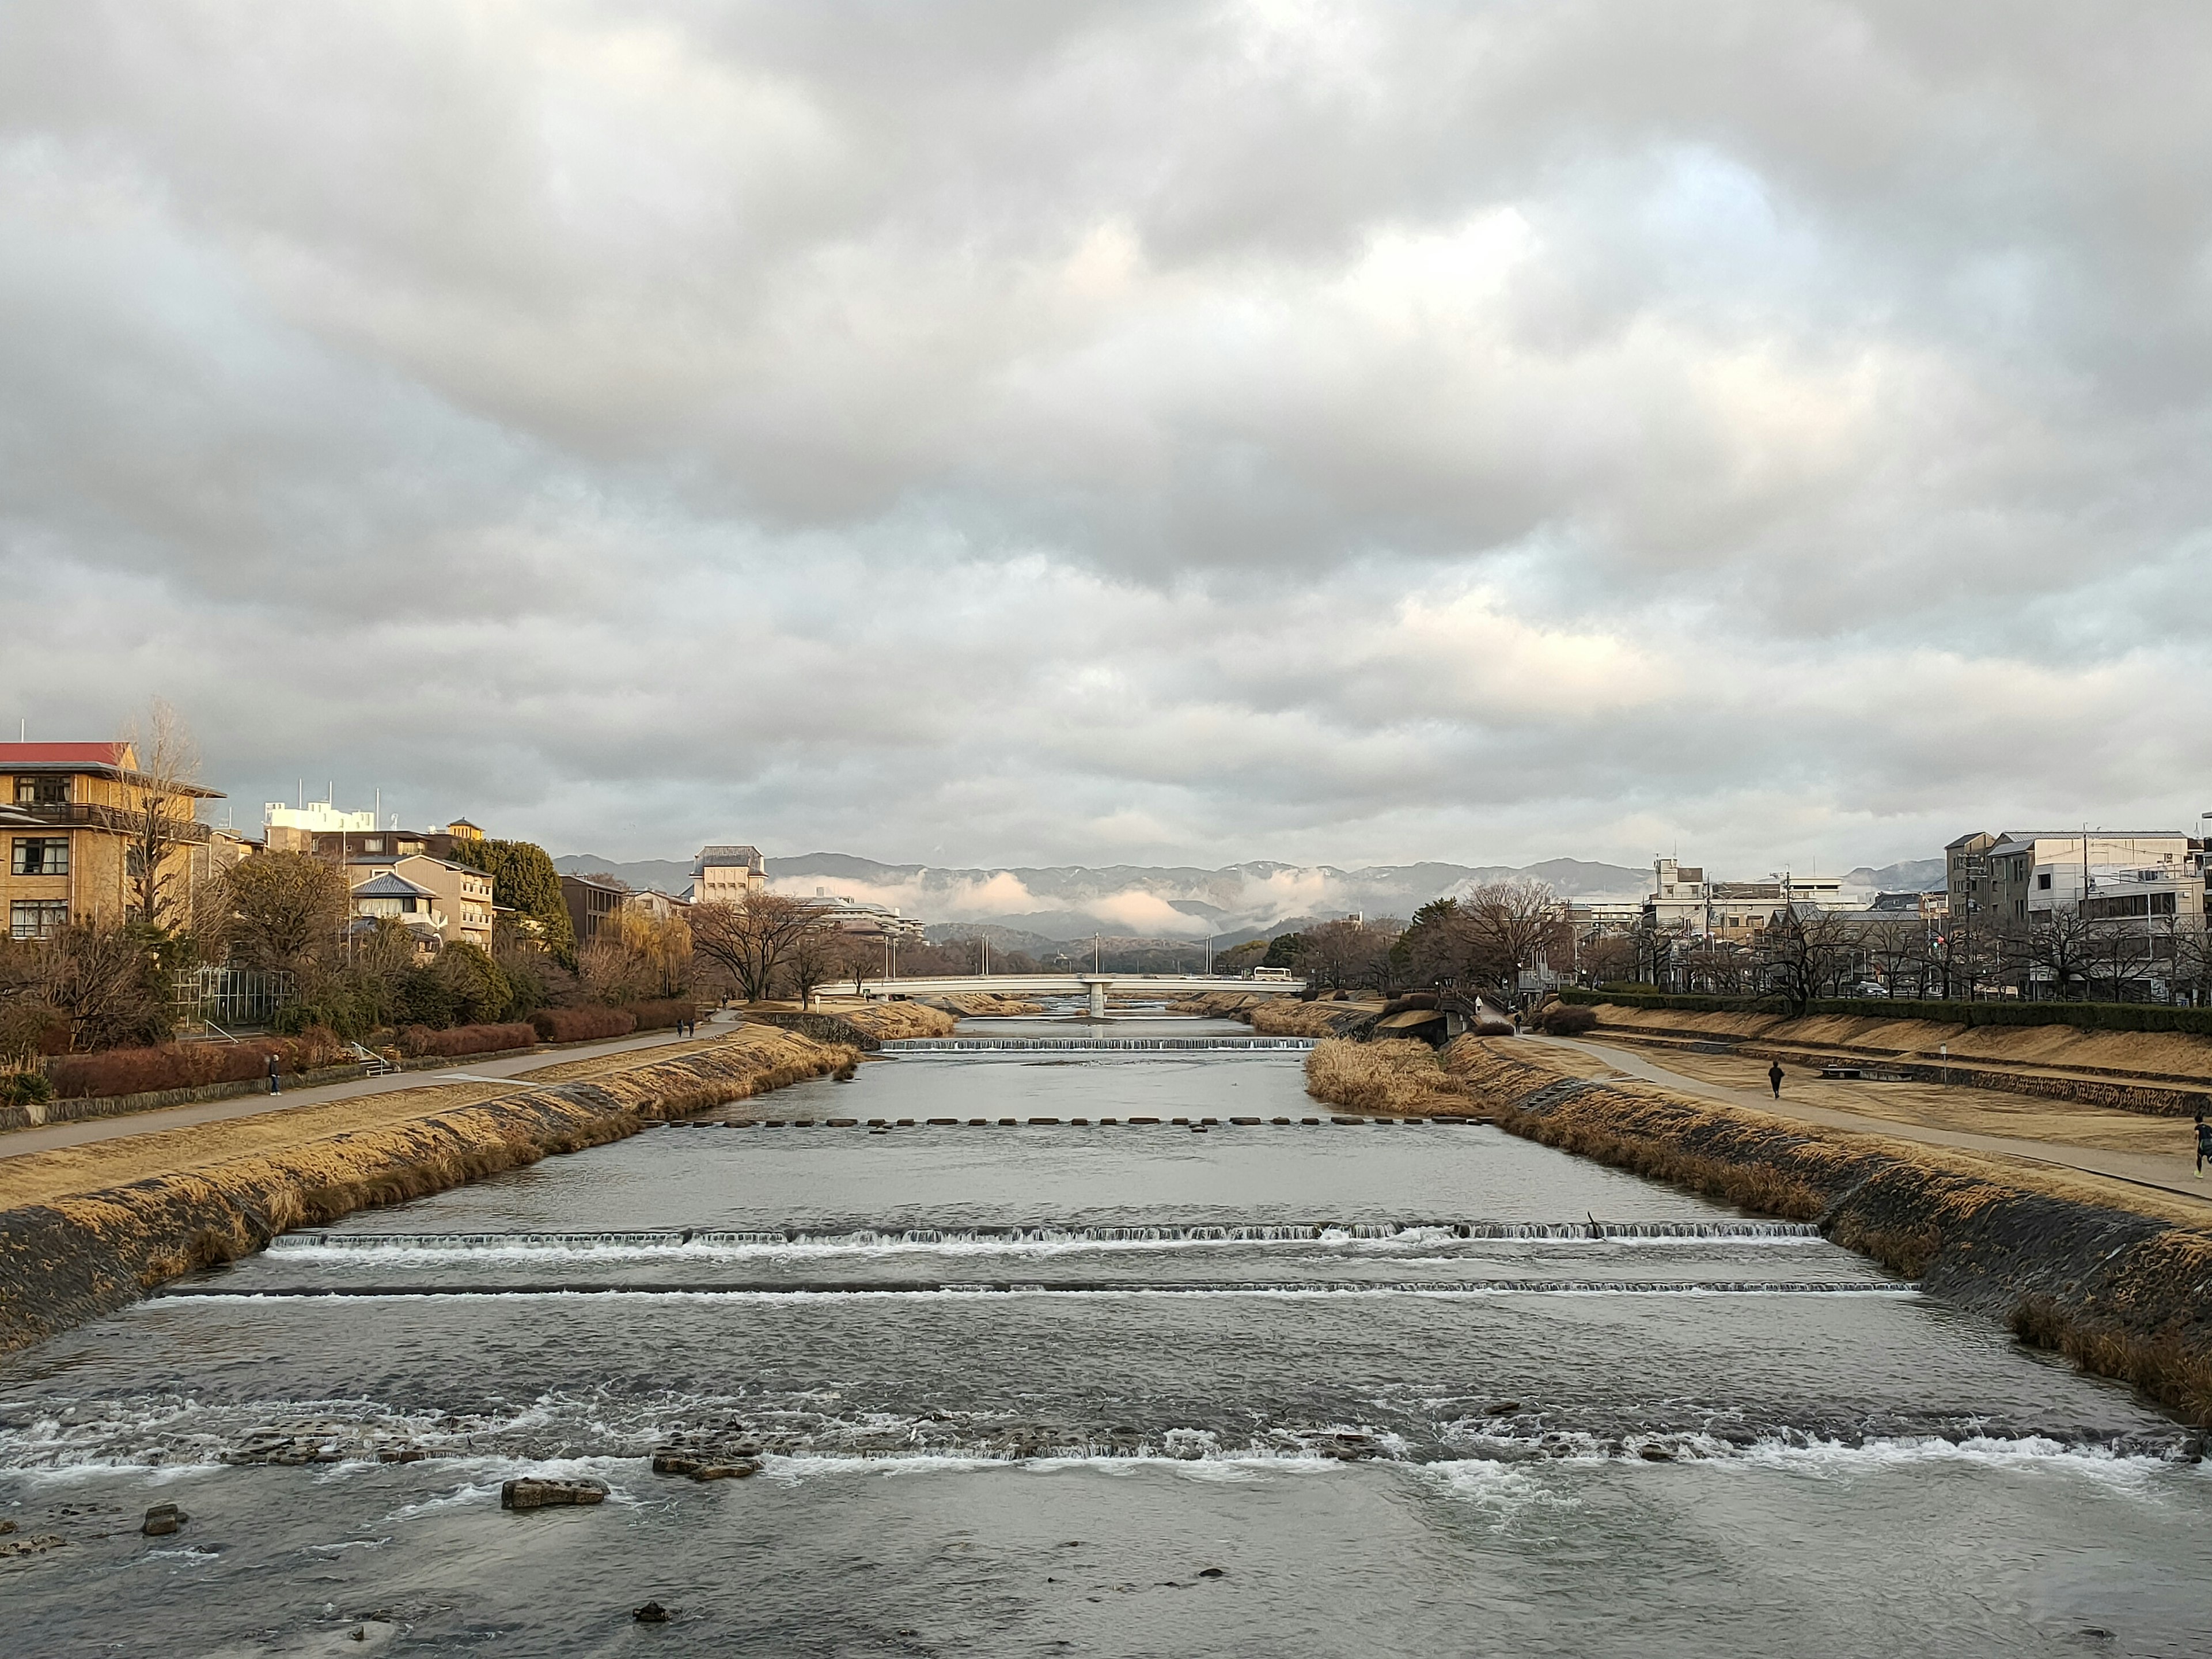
728	875
70	814
343	836
592	904
1684	902
867	921
2013	878
454	899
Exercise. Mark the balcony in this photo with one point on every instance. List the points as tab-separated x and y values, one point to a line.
78	815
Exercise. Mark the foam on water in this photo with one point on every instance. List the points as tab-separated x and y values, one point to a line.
710	1243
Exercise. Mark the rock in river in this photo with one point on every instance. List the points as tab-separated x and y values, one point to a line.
529	1493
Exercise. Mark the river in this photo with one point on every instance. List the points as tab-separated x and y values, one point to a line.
1300	1388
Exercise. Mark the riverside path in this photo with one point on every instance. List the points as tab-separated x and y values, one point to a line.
2167	1173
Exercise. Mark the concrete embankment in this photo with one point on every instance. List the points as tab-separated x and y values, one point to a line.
2122	1291
72	1256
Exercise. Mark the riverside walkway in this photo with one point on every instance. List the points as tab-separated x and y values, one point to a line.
16	1143
2166	1172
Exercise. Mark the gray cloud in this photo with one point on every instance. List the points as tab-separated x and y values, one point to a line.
1333	432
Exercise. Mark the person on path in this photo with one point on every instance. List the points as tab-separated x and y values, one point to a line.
2203	1143
1774	1077
276	1087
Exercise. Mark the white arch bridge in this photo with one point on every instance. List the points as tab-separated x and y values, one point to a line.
1090	988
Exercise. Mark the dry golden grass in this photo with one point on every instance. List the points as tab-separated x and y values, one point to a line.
40	1177
1396	1077
888	1020
1287	1016
1222	1005
993	1005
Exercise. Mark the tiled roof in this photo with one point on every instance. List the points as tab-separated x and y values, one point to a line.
391	886
115	757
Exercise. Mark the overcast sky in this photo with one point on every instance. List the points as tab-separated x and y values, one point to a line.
1005	433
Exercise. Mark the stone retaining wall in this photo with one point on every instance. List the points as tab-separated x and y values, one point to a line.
2122	1293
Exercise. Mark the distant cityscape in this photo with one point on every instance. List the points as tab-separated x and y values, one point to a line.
2020	912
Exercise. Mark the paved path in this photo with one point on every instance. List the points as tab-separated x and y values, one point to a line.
2170	1174
14	1143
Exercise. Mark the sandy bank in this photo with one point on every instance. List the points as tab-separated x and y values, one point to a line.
89	1230
2117	1285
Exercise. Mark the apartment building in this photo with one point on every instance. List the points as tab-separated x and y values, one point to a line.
1683	901
2012	879
69	814
452	900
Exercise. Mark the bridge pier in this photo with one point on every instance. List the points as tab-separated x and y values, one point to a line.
1096	985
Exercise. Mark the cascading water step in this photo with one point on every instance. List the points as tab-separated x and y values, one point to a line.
705	1240
1103	1045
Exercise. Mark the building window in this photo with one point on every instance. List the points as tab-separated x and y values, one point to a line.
44	789
2043	881
37	918
40	855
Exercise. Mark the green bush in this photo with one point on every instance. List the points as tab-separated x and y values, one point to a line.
25	1089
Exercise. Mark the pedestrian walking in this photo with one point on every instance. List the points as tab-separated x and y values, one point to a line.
1774	1078
2203	1143
276	1084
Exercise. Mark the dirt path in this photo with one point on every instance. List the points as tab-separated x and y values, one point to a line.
542	1067
2157	1152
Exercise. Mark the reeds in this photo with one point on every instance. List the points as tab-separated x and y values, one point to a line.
1394	1078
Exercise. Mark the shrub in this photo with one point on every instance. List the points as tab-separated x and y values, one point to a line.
1563	1019
582	1025
25	1089
660	1015
186	1065
420	1040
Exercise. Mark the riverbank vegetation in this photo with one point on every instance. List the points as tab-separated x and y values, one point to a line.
1394	1077
2109	1274
85	1230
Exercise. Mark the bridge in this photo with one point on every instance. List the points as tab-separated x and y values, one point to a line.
1092	988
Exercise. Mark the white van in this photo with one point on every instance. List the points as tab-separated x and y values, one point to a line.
1273	974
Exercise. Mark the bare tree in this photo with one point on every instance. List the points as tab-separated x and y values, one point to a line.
280	911
102	980
164	815
750	940
2058	945
1802	953
1347	953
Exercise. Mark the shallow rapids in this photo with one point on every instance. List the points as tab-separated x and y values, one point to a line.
1018	1389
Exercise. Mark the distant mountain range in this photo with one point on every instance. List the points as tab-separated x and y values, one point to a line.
1027	907
1913	876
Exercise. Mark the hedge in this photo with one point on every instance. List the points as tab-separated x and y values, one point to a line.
420	1040
582	1025
662	1015
2084	1016
185	1065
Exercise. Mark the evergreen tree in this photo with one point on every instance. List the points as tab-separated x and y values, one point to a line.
523	880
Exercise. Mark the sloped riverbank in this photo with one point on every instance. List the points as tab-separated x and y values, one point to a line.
75	1257
2120	1291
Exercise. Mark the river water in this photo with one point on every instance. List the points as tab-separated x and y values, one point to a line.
1296	1388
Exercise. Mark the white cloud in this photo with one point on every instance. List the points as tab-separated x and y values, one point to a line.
1322	431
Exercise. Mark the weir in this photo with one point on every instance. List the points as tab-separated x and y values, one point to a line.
1101	1045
